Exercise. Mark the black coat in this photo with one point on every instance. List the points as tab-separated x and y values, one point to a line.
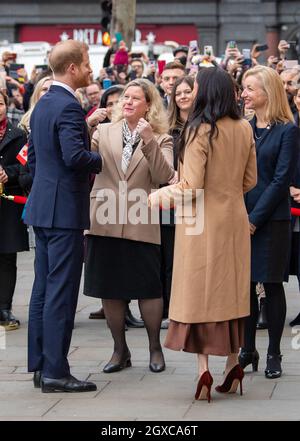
268	204
13	232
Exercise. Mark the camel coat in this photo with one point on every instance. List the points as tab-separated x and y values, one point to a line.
211	273
113	192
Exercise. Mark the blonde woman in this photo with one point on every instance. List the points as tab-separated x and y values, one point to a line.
268	206
123	251
40	89
25	178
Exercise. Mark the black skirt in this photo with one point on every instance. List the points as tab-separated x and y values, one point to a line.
270	250
121	269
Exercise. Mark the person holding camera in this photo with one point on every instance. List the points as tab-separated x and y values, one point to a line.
13	232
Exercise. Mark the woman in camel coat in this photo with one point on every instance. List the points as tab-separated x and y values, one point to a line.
211	276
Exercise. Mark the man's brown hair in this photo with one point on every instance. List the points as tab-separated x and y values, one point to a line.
66	53
174	65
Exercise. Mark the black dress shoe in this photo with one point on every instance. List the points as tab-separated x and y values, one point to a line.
37	379
116	367
296	321
131	321
157	366
273	369
8	320
246	358
97	315
66	384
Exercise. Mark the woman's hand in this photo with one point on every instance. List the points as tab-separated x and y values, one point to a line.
145	130
153	199
252	228
97	117
3	176
174	180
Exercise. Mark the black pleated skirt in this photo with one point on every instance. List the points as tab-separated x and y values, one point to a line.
121	269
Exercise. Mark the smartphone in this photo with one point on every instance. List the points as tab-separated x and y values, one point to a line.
152	63
13	71
231	44
109	71
290	64
132	75
136	55
208	50
292	43
42	68
106	83
247	58
262	47
193	44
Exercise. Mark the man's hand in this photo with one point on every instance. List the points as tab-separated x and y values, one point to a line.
283	47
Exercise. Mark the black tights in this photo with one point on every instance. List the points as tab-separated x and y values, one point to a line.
276	313
151	312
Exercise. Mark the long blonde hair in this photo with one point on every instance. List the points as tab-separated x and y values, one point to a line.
278	109
24	123
156	116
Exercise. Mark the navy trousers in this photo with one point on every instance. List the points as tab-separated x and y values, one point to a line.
58	267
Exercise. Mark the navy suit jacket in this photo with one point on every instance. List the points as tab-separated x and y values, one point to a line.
60	163
277	155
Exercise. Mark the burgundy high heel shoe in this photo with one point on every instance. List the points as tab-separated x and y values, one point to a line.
232	380
204	386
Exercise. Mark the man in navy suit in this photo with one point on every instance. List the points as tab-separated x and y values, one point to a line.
58	208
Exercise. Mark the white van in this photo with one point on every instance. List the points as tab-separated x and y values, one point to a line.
34	53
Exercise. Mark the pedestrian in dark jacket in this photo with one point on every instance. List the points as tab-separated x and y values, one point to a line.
13	232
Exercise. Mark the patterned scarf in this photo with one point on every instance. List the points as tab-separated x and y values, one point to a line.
3	127
129	139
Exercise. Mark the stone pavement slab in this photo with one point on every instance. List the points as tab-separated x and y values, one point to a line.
136	394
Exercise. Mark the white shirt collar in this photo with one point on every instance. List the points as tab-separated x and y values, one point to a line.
65	86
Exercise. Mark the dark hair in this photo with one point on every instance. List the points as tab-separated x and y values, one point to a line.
110	91
180	49
215	99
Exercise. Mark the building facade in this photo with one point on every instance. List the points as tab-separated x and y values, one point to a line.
211	22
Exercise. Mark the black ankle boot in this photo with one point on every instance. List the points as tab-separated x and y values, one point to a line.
262	322
273	368
246	358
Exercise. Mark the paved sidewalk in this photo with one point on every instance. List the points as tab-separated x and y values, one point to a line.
137	394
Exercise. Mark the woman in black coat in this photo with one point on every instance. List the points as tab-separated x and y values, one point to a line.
13	232
294	267
268	206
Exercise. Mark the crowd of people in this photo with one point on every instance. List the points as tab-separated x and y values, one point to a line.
229	128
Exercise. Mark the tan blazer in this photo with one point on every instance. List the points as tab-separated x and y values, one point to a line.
151	165
211	272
